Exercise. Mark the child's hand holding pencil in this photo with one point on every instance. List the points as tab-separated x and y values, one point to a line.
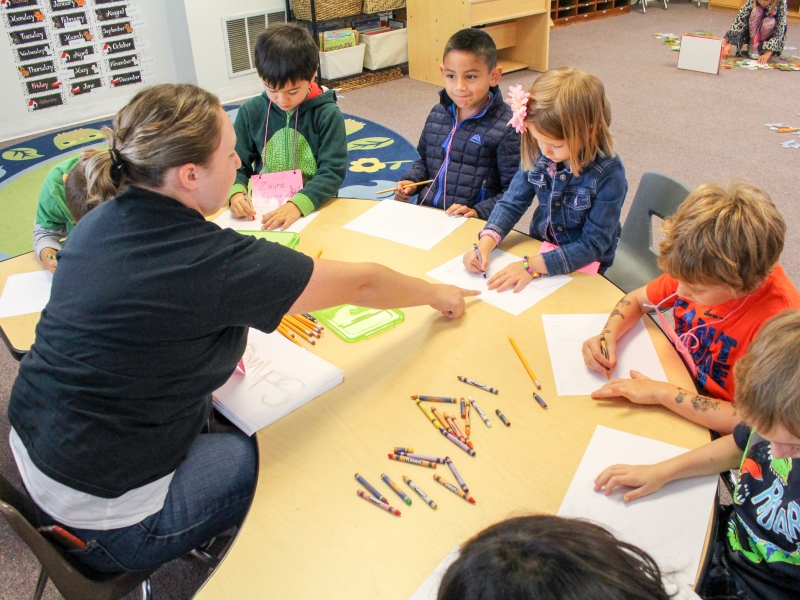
241	207
600	353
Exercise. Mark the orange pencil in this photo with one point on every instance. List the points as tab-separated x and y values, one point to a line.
302	326
298	331
308	323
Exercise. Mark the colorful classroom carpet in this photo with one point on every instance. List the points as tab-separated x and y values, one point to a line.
377	155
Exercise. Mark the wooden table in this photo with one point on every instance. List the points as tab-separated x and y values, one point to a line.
18	332
309	536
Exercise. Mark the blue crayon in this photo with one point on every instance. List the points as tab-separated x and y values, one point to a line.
371	489
435	399
396	489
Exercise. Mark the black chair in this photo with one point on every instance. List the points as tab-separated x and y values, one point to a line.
635	263
72	582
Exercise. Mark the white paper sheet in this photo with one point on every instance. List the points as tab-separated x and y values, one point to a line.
670	524
454	273
280	377
25	293
409	224
430	587
227	221
565	335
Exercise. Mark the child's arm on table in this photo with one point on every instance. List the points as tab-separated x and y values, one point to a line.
46	243
624	316
717	415
331	169
717	457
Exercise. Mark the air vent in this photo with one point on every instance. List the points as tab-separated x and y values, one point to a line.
241	33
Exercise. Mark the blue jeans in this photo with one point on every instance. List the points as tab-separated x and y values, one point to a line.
209	493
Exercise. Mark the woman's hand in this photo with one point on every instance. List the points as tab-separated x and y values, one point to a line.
764	58
450	299
593	354
240	207
401	192
282	217
461	209
645	479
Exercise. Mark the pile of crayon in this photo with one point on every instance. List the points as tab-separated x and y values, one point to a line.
450	426
304	327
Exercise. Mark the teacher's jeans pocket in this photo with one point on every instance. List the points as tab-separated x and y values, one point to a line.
94	555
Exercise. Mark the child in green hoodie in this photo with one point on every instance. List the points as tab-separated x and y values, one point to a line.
305	129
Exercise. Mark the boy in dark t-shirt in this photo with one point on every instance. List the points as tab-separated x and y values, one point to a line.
760	557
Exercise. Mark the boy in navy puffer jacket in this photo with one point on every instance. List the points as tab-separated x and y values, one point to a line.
466	147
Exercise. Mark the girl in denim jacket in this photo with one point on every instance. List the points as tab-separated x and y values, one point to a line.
569	165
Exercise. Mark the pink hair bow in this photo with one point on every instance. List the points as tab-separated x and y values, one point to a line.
519	105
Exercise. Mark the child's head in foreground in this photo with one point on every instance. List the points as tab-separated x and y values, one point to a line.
568	118
550	558
722	243
469	67
768	384
286	60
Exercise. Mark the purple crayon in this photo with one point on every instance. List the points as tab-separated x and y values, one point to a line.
441	461
456	473
457	442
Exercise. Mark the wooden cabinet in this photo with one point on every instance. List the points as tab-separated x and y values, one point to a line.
520	28
567	12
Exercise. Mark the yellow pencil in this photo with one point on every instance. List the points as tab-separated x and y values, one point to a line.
288	335
525	363
292	327
405	187
302	326
308	323
319	253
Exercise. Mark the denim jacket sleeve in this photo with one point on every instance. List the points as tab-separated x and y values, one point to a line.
507	167
510	208
598	236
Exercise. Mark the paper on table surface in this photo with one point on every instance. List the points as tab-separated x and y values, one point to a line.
454	273
227	221
25	293
280	377
590	269
670	524
409	224
565	335
430	587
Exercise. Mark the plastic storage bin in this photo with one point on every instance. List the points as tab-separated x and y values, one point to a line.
342	63
385	49
354	323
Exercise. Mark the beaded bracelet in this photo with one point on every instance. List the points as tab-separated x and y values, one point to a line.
530	271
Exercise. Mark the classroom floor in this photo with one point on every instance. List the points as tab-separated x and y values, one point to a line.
696	127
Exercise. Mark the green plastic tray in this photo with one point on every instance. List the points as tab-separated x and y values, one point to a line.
284	238
354	323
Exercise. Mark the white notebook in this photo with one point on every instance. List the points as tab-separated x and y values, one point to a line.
279	377
700	53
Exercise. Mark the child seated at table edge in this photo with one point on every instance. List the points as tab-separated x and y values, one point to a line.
723	282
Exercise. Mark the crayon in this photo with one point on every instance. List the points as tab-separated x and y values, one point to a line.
457	475
396	488
442	420
454	489
538	398
483	386
429	414
435	399
480	412
463	405
505	421
413	461
432	459
457	442
525	363
467	410
384	505
604	350
480	260
422	494
398	449
459	433
371	489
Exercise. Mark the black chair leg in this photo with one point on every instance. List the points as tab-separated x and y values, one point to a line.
40	585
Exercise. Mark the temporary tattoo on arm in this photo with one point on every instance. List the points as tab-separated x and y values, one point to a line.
681	396
606	330
703	404
615	313
624	302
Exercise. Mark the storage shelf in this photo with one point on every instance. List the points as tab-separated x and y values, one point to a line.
567	12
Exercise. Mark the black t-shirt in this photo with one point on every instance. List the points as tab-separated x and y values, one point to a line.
764	530
148	315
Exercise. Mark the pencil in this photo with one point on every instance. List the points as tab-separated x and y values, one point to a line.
313	331
604	350
292	327
308	323
287	334
319	253
525	363
410	185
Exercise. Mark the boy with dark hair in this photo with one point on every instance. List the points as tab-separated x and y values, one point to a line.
466	147
292	125
760	556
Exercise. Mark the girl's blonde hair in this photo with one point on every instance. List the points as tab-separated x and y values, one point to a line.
773	6
570	105
164	126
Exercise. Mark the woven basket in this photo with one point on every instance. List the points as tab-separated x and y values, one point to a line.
326	9
373	6
365	79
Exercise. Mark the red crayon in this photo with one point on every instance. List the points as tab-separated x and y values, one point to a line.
378	503
413	461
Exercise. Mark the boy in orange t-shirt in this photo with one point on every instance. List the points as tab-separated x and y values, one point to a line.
723	283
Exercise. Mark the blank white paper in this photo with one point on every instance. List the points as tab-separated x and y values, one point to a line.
670	524
227	221
409	224
565	335
25	293
453	272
